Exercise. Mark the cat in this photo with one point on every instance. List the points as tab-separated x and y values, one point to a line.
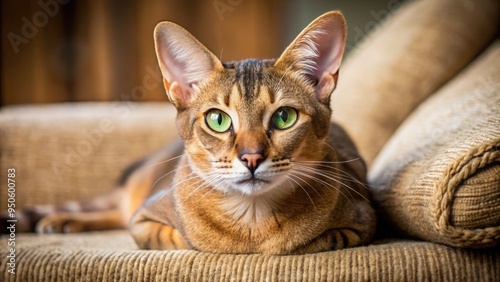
260	167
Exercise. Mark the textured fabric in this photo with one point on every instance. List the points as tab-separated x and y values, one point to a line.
66	152
33	138
476	193
417	50
112	256
438	176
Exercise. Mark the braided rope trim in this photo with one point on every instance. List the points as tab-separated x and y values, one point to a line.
459	170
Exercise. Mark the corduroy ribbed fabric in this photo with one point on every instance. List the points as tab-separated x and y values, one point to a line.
49	147
112	256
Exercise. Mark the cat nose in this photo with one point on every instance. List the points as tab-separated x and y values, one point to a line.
252	160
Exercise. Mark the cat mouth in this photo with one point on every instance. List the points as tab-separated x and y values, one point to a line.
254	181
252	185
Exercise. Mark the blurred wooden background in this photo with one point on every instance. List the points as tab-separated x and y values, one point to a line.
102	50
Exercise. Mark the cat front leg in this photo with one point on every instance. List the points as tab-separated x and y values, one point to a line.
332	239
349	230
154	224
151	234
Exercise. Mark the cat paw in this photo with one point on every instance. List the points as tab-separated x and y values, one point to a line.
60	223
27	218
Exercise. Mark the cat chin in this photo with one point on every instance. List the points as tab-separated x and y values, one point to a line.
259	187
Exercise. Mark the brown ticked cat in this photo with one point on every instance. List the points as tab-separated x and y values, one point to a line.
260	168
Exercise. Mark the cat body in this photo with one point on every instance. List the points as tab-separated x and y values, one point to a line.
302	217
260	167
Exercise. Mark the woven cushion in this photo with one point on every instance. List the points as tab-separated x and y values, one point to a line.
438	178
71	151
113	256
417	50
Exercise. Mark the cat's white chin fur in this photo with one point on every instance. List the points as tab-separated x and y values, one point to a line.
264	179
258	186
250	198
254	200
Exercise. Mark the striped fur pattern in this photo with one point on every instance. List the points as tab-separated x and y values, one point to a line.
255	186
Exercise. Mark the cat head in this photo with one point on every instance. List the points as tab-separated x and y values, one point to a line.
246	123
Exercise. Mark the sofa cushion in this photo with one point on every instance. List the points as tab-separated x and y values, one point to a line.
438	177
70	151
416	51
113	256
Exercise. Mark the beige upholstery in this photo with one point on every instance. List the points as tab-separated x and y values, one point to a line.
69	151
414	53
438	177
113	256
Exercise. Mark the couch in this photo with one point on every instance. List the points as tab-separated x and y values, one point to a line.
420	97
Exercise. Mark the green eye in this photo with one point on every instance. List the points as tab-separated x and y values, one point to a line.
218	121
284	117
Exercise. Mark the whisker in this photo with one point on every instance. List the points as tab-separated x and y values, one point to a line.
211	176
291	184
309	196
188	178
214	186
203	183
309	184
319	172
326	184
349	176
342	175
329	162
166	161
220	56
166	189
331	147
166	174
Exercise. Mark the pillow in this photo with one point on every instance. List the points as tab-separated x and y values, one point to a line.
417	50
438	177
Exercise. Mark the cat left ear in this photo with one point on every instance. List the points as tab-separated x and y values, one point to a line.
317	52
184	62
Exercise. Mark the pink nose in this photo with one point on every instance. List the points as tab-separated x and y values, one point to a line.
252	161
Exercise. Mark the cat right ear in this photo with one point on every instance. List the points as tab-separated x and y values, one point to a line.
184	62
316	53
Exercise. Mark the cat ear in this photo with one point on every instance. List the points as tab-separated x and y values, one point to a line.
316	53
184	62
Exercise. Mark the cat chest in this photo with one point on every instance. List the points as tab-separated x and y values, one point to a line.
273	234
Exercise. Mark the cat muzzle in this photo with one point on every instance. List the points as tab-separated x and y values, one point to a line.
252	161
